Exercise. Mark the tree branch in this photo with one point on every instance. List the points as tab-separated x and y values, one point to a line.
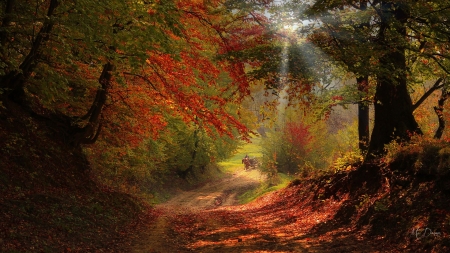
435	86
146	80
14	80
440	64
28	63
87	134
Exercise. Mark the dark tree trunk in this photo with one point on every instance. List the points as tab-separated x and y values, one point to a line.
440	113
14	81
90	132
394	118
78	130
6	21
363	107
363	115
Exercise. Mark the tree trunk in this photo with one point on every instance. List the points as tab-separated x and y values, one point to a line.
363	115
14	81
394	118
90	132
440	113
363	85
6	21
190	170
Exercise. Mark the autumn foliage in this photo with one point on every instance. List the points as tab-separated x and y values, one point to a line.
185	83
288	149
298	136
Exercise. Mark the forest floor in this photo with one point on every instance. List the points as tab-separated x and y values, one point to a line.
336	213
49	203
210	219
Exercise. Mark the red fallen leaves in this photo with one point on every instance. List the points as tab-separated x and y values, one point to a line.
280	219
295	220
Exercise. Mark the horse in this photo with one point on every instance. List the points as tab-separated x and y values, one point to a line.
250	163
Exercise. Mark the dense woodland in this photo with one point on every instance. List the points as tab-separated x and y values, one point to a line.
107	107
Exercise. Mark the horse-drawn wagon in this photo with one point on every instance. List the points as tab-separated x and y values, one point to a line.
250	163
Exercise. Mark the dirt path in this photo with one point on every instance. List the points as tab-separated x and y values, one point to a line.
223	192
159	237
290	220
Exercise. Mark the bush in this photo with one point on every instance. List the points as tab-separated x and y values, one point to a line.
348	160
182	152
422	155
313	148
285	151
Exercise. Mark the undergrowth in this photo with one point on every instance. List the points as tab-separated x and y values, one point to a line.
400	200
48	202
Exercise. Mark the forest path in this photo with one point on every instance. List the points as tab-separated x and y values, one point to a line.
222	192
159	235
289	220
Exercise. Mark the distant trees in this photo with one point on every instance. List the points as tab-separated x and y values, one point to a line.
289	148
388	46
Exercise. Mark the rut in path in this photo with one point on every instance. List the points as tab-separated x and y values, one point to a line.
223	192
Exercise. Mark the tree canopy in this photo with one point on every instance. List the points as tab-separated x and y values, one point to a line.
388	46
130	67
123	66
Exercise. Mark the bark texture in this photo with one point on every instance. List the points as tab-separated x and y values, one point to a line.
394	118
439	109
363	115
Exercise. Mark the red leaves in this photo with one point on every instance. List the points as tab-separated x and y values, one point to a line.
298	135
285	218
337	98
183	84
186	84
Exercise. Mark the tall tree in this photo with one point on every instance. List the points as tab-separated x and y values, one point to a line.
396	35
384	40
393	105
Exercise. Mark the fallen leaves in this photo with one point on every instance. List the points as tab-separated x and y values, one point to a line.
277	222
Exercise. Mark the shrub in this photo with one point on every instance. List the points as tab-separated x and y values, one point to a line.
285	151
422	155
348	160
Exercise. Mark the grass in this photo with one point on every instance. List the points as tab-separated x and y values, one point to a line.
252	149
234	163
264	188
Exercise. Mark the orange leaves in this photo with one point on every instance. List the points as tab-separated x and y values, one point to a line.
186	81
282	221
